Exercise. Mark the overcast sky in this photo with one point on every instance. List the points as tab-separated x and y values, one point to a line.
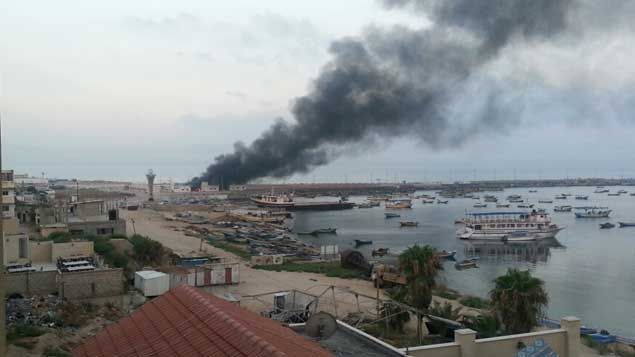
110	89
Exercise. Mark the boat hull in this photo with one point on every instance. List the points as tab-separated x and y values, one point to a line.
471	234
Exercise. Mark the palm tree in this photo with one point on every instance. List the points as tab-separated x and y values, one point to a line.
519	299
420	265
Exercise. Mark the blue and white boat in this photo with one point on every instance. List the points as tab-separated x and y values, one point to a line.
499	225
592	212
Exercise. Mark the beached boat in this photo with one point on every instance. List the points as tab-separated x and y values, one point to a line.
399	204
391	215
480	205
545	201
563	208
496	225
359	242
320	231
408	223
593	212
607	225
380	252
446	255
466	264
626	224
581	197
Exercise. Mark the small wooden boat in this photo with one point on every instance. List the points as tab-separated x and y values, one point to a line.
561	197
427	201
533	191
359	242
525	205
391	215
632	193
480	205
562	209
545	201
365	205
319	231
581	197
622	191
446	255
626	224
614	194
408	223
442	202
466	264
502	205
607	225
380	252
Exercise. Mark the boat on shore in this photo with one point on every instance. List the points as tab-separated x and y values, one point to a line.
320	231
380	252
391	215
593	212
497	225
626	224
408	224
607	225
563	208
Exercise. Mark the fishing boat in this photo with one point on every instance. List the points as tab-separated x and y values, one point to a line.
533	191
626	224
514	197
593	212
374	203
563	208
320	231
466	264
601	190
526	205
622	191
399	204
380	252
459	221
496	225
489	198
480	205
391	215
545	201
359	242
632	193
561	197
408	223
365	205
427	201
476	197
446	255
502	205
581	197
442	202
614	194
280	201
607	225
516	200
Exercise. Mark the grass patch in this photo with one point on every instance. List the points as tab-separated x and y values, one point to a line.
231	248
330	269
20	331
474	302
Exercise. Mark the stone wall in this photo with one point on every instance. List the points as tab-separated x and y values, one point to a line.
32	283
91	284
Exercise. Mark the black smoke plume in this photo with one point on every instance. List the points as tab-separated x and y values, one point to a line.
393	83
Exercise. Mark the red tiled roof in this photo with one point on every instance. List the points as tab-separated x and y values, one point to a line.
189	322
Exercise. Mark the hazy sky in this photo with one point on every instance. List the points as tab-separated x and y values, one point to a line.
112	88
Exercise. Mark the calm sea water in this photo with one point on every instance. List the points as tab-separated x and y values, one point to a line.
588	272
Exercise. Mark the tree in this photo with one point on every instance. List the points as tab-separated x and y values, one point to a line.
487	325
518	299
396	316
420	265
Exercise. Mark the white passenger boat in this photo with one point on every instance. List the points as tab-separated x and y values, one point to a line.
593	212
562	208
497	225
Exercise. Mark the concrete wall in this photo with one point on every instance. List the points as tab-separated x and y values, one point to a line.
11	251
37	283
91	284
41	252
46	231
565	342
72	249
93	227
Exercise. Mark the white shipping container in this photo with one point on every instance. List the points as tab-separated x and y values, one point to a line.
151	283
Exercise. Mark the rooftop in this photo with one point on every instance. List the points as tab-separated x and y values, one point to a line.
188	322
149	274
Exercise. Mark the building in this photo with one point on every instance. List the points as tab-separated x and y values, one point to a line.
206	187
8	194
93	217
39	183
189	322
237	187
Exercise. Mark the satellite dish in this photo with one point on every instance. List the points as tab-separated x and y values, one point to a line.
321	325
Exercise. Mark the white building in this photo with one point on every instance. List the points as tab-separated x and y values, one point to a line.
8	194
25	181
206	187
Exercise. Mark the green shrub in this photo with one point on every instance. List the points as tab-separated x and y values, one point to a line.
147	251
20	331
474	302
54	352
60	237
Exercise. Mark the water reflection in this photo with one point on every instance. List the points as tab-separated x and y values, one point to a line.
505	252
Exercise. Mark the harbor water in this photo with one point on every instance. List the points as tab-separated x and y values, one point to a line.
588	272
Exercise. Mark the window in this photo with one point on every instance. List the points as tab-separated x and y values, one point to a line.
5	193
105	231
22	249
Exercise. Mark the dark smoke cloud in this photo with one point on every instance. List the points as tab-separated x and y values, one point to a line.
394	83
